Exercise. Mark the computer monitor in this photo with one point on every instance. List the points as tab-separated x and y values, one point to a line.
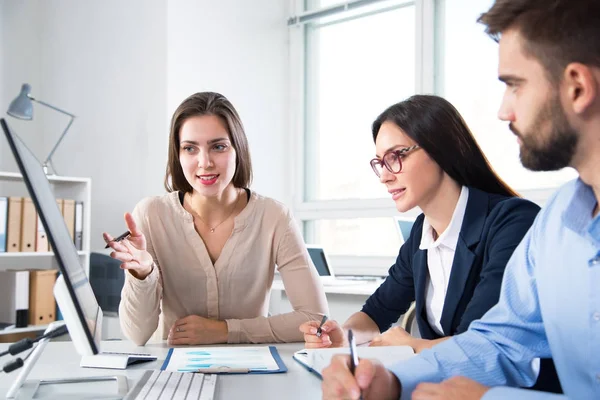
404	226
73	292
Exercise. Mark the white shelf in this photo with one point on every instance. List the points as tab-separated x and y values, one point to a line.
24	261
63	187
16	177
30	328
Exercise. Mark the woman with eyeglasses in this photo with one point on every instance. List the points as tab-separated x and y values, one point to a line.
452	264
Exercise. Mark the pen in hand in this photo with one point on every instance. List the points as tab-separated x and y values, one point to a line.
353	355
319	332
119	238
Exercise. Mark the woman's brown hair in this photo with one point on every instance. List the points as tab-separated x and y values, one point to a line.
208	103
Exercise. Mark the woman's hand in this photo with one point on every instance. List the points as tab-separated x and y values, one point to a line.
194	329
131	251
332	335
395	336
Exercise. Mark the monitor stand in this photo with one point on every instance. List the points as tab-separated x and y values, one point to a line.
26	390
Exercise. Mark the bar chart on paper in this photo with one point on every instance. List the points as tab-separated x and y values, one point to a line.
264	359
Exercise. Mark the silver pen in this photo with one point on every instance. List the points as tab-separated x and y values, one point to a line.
319	332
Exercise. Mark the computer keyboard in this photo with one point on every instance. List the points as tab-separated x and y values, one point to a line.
166	385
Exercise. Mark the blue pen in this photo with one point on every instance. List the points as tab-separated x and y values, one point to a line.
353	355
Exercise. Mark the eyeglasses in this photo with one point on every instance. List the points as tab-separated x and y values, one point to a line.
392	160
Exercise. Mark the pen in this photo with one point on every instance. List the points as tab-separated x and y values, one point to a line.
320	326
353	355
119	238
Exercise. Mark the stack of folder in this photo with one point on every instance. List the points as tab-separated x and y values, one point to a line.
22	231
27	298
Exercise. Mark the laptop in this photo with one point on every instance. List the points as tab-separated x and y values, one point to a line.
404	226
324	268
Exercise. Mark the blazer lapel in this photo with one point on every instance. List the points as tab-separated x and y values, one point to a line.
470	235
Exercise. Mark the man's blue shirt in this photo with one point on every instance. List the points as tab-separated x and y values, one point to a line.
549	307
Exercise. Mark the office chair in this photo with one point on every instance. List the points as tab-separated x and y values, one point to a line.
107	279
409	322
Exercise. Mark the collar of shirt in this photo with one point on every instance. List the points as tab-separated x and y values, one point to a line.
578	216
449	238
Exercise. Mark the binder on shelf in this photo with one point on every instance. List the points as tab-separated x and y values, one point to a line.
13	231
3	222
42	305
14	297
28	226
41	240
69	216
59	203
79	225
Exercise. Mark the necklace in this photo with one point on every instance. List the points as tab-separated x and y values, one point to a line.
212	229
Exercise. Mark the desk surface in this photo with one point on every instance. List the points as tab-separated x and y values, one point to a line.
59	360
362	288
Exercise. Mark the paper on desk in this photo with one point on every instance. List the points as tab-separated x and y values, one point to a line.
255	359
315	360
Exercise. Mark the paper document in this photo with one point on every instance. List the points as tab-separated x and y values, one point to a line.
315	360
260	359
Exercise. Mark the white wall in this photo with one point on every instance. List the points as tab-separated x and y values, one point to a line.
19	63
106	63
240	49
123	67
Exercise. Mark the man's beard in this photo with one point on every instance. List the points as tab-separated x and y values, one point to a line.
549	151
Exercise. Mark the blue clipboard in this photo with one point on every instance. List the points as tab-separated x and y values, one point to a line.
274	353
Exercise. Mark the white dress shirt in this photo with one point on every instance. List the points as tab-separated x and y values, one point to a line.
440	256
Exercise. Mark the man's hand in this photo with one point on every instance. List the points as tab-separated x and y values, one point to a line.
456	388
371	378
194	329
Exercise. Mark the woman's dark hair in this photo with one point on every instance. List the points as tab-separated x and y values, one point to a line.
208	103
438	128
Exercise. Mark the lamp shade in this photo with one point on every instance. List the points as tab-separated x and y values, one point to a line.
21	107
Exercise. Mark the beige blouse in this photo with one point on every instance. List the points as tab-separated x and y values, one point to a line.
236	288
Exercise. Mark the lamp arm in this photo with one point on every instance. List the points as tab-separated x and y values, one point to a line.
51	106
64	132
59	139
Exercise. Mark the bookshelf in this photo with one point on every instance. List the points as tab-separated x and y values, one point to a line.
78	189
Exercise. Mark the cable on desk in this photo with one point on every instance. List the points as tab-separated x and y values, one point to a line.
27	343
15	364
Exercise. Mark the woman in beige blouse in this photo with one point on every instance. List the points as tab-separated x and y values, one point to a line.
204	255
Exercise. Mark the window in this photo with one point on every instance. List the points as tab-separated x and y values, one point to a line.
350	61
354	63
342	101
470	83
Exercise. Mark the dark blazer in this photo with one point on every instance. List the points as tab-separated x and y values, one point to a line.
492	228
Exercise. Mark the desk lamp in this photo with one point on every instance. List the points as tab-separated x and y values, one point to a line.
22	108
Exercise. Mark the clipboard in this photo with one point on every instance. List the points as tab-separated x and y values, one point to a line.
225	360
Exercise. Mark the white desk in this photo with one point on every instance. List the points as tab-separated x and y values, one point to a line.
59	360
343	300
